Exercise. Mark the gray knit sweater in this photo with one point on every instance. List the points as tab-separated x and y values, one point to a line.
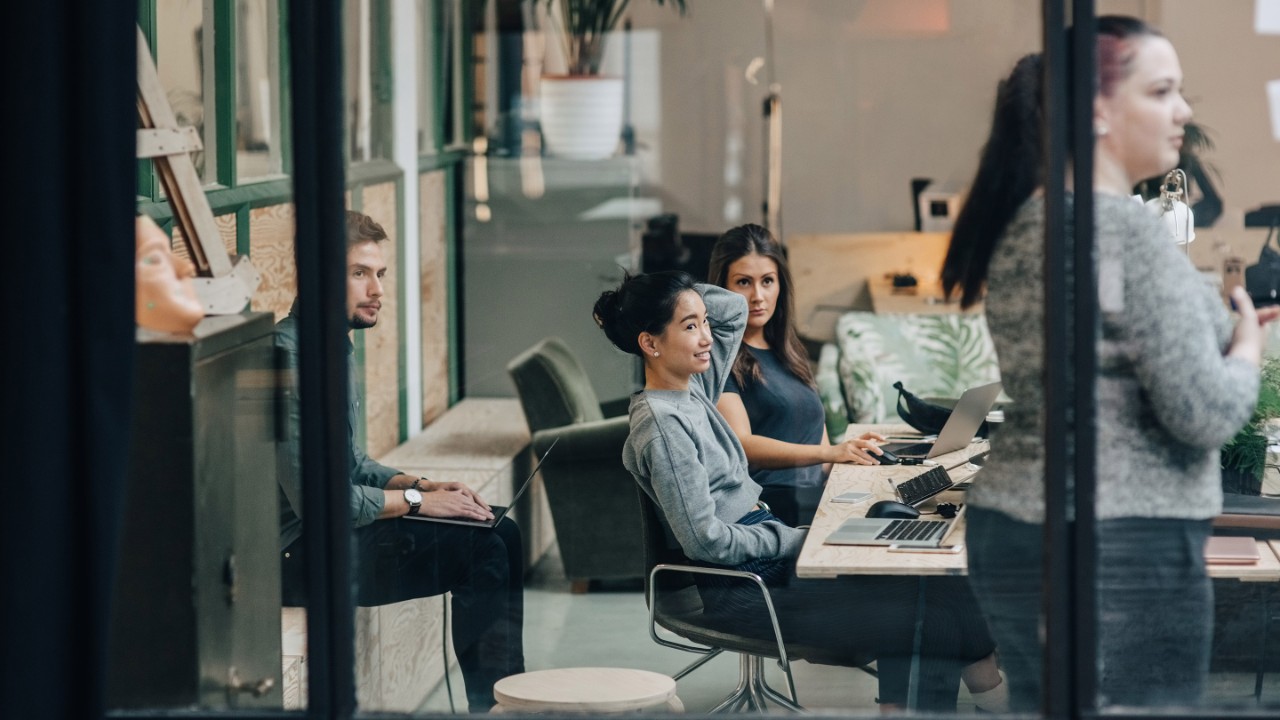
687	458
1167	398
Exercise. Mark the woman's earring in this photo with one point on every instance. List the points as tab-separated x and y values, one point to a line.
1100	130
655	353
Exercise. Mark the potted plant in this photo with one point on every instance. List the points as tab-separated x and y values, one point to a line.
582	109
1244	458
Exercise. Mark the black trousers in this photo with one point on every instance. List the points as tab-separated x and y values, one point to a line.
399	560
1155	606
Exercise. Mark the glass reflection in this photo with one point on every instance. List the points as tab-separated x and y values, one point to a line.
258	116
184	61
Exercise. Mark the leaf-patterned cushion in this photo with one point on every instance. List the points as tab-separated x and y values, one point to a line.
933	355
827	378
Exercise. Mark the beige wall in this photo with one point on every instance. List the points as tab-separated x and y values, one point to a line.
866	107
1226	66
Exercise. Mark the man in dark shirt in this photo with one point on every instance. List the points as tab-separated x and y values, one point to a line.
404	559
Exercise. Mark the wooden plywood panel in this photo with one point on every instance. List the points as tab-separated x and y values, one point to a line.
435	296
271	230
226	231
382	343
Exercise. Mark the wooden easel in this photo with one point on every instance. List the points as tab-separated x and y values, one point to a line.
223	285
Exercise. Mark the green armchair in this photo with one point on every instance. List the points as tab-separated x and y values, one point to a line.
592	496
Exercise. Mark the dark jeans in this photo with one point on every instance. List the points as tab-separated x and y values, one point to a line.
851	618
1155	606
794	506
400	560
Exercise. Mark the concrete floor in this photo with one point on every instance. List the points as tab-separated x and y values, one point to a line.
609	627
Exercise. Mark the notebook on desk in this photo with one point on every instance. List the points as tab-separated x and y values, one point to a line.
499	511
894	532
961	426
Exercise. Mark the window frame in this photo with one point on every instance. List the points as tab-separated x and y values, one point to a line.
224	189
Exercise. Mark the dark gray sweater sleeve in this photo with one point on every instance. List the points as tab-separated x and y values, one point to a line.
727	315
669	460
1173	323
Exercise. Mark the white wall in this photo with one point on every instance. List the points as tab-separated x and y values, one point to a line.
869	104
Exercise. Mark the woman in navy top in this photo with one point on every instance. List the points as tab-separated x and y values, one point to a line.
769	398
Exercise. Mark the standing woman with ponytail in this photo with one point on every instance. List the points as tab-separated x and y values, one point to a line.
688	460
1175	381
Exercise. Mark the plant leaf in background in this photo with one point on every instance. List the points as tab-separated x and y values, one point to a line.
1195	142
585	25
1247	451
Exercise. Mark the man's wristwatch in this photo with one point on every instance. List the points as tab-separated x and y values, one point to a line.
414	498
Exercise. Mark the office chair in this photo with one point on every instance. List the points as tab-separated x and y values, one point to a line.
590	493
676	606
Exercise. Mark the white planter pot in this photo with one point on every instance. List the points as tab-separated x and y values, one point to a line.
581	116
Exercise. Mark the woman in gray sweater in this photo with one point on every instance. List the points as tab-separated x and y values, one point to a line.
689	461
1175	381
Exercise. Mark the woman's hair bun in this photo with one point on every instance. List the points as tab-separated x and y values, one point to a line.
642	303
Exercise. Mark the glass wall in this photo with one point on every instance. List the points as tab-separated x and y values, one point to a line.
846	141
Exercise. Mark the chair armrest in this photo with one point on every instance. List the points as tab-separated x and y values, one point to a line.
594	440
697	570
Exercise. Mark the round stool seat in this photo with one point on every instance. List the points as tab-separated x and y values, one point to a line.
586	689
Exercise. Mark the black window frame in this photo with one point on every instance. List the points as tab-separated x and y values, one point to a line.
93	340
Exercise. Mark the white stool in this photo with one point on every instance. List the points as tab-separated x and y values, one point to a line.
593	690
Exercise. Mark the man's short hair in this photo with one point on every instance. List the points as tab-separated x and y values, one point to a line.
362	228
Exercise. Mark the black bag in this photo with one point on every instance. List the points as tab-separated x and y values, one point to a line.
924	416
1262	279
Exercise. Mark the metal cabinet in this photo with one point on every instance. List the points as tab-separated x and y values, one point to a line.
196	612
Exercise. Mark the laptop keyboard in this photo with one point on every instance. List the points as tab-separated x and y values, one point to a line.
899	530
924	486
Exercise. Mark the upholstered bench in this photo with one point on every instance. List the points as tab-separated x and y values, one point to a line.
483	443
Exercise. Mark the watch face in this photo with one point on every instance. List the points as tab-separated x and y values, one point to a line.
413	497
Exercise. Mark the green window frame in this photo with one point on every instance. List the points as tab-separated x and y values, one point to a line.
222	185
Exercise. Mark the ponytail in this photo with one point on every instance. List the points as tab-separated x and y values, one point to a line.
1009	171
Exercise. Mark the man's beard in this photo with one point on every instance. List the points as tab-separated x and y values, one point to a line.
357	323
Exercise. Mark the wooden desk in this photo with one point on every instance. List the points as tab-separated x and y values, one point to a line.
827	561
924	299
818	560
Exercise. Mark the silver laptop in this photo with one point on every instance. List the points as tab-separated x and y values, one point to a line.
963	423
499	511
894	532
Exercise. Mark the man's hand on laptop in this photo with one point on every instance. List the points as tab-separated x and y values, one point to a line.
455	487
454	502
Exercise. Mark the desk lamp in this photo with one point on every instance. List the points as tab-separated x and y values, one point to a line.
1172	208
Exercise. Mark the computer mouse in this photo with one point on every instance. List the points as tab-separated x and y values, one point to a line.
892	509
886	458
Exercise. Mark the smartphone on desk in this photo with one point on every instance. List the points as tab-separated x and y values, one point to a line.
851	497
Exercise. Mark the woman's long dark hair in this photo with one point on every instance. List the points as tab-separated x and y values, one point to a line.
642	303
1011	167
780	331
1008	172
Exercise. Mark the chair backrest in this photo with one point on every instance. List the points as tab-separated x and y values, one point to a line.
657	550
554	389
